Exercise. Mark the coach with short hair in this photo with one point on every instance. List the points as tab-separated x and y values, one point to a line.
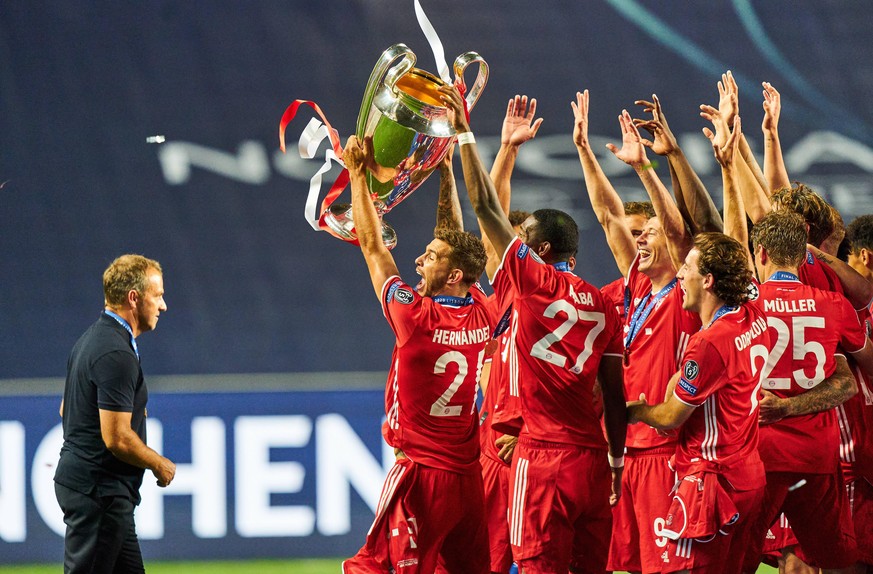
104	417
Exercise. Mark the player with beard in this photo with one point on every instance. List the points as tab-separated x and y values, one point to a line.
567	335
713	401
431	506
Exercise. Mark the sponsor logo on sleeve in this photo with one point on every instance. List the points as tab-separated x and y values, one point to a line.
391	290
522	251
404	296
688	387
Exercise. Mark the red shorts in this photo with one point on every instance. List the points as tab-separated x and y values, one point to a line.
424	515
495	476
779	536
818	509
861	502
637	542
721	551
560	511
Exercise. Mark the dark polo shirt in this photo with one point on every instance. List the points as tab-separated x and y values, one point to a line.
103	372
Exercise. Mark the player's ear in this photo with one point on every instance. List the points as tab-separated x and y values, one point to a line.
455	277
867	258
708	281
543	248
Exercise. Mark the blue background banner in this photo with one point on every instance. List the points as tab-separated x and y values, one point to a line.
250	286
260	474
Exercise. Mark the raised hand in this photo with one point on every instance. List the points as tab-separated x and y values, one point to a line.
354	155
632	151
772	106
519	125
728	97
451	97
580	117
725	153
663	141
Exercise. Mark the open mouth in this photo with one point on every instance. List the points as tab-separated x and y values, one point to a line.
645	254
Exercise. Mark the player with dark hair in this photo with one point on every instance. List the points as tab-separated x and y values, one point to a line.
567	335
713	401
442	326
656	330
856	415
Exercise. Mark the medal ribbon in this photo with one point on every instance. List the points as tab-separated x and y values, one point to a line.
783	276
643	310
453	301
724	309
127	328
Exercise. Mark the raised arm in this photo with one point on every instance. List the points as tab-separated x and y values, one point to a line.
749	176
856	288
483	197
367	225
774	166
519	126
605	201
633	153
449	214
734	214
692	199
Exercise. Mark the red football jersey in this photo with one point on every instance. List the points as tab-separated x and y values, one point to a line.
504	371
818	274
431	391
856	421
565	326
721	375
659	340
806	326
614	292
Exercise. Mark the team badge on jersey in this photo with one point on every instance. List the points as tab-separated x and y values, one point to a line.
404	296
690	370
752	291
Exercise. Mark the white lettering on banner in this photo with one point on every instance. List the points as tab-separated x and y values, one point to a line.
42	479
825	147
249	165
343	462
150	512
204	479
13	526
257	478
550	157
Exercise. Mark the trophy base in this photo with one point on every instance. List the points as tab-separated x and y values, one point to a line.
340	224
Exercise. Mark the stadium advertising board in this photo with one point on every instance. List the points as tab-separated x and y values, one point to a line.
264	474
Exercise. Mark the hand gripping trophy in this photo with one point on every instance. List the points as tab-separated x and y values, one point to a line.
411	134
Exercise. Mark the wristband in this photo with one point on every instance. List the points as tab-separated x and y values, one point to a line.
466	138
615	462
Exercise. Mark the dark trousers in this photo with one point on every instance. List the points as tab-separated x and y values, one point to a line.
101	534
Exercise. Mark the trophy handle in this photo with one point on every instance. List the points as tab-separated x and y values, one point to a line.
475	90
381	71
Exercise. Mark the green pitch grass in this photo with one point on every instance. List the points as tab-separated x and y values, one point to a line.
326	566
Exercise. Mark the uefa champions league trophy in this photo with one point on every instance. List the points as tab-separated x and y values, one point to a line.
403	113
